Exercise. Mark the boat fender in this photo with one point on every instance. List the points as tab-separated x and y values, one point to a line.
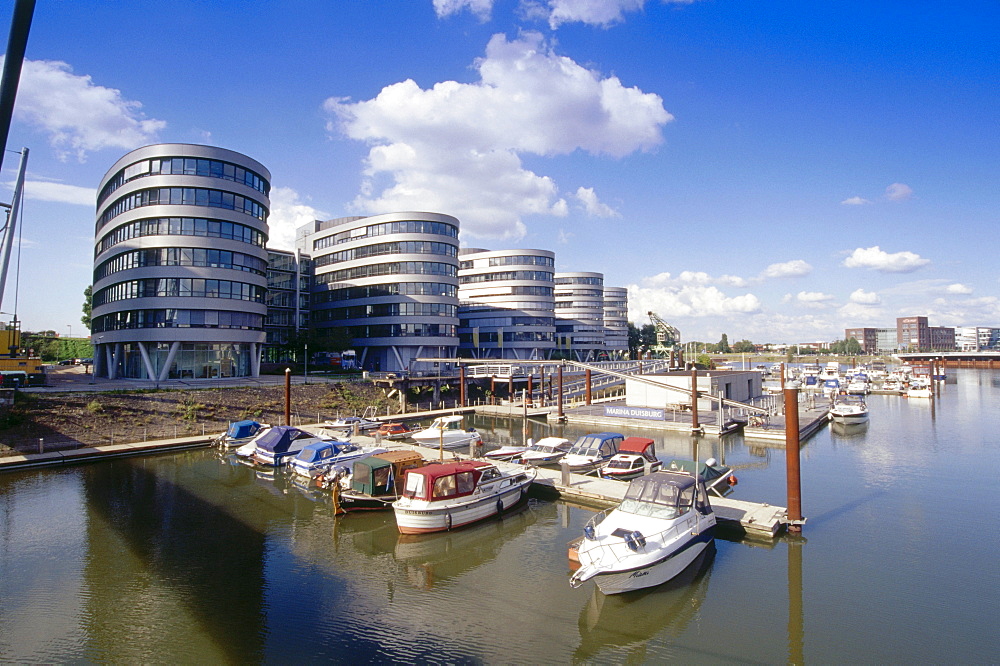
447	522
733	480
499	507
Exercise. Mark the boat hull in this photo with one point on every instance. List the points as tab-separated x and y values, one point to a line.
849	418
656	573
413	520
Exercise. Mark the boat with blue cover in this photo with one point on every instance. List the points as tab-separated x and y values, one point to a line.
276	446
239	433
322	457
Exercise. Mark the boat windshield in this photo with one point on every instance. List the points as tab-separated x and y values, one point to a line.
586	446
621	463
657	500
414	486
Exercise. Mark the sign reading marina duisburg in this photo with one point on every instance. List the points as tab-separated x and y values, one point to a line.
634	412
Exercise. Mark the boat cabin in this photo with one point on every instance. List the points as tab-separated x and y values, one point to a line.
666	495
446	423
600	445
447	480
383	473
393	430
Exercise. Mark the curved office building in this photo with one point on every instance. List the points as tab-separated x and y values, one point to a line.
616	322
507	303
386	285
580	316
179	264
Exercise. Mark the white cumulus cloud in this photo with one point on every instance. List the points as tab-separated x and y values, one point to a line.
287	214
481	9
855	201
862	297
601	13
813	299
898	192
877	259
592	205
78	115
456	147
687	299
958	288
794	268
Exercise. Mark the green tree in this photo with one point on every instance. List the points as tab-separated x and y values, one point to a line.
88	303
744	347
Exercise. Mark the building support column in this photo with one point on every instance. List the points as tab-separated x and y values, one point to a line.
146	361
255	352
165	371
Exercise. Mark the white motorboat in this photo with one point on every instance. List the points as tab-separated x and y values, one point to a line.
546	451
446	432
445	496
591	451
362	423
509	452
662	525
919	388
849	411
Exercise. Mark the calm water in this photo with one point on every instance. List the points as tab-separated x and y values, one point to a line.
184	557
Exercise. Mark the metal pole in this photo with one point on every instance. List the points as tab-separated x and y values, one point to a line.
792	472
20	25
15	208
695	426
288	396
559	400
461	384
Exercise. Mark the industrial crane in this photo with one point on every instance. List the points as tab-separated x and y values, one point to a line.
668	338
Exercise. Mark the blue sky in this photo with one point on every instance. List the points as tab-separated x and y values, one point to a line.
774	171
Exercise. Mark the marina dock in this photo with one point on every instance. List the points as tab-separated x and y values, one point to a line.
752	518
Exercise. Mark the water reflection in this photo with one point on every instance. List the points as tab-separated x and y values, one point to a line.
849	431
169	557
433	558
627	622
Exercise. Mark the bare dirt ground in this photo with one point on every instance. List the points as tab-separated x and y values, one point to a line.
71	420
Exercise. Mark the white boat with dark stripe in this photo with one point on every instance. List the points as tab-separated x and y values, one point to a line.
662	525
445	496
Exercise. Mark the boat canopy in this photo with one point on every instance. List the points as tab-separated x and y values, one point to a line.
243	429
642	446
279	438
665	495
550	444
378	474
445	480
320	451
597	444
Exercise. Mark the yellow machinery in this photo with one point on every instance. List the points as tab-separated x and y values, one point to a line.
12	357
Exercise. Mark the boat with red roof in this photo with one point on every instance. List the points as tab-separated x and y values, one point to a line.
445	496
636	456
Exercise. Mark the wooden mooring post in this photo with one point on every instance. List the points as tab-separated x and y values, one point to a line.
793	476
